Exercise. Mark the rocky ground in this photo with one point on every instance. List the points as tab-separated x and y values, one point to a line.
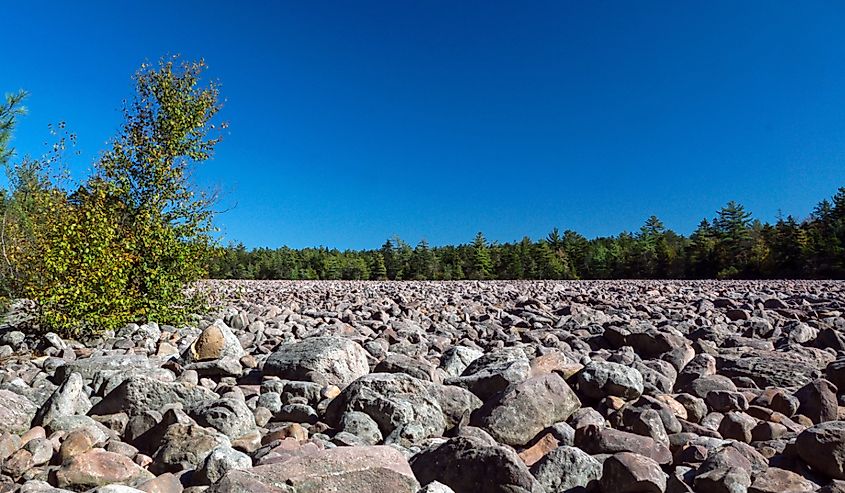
462	386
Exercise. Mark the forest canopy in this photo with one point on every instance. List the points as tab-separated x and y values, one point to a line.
730	245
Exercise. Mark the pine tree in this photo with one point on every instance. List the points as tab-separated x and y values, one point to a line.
482	265
9	113
378	271
733	229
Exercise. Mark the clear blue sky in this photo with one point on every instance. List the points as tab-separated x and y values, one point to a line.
354	121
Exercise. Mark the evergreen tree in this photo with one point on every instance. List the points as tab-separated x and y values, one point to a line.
482	265
733	230
702	251
9	113
378	271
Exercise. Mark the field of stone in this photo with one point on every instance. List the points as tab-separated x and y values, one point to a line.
405	387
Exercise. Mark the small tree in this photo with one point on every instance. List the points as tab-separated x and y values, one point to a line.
167	129
124	245
378	271
9	113
482	264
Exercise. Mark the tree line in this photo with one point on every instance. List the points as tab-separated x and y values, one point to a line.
730	245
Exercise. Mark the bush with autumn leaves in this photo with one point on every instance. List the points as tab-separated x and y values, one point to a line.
123	244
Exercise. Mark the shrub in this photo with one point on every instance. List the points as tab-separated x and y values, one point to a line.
124	245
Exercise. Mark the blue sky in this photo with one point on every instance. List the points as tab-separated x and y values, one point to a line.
354	121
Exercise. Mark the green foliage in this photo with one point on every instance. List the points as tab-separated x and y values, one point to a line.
482	264
125	243
730	245
9	113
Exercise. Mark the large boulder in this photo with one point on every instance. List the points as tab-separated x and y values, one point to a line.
90	367
523	410
792	368
326	360
68	400
138	394
627	472
229	416
566	468
217	341
469	465
186	446
360	469
493	372
16	413
401	405
823	448
600	379
98	467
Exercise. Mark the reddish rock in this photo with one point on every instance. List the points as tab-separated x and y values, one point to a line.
97	468
77	442
360	469
627	472
536	452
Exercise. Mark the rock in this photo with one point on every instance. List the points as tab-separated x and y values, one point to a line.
229	416
185	446
595	440
457	358
360	469
539	448
362	426
76	443
217	341
400	363
776	480
468	465
65	401
220	461
566	468
725	470
456	403
325	360
817	401
16	413
493	372
401	405
91	366
97	468
600	379
626	472
823	448
436	487
771	368
737	426
523	410
164	483
138	394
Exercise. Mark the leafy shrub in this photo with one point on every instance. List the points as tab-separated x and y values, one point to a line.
122	246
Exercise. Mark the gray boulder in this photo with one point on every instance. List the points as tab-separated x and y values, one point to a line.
326	360
565	468
138	394
523	410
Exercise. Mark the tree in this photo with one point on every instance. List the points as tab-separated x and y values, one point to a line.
576	245
482	265
167	130
732	227
378	271
124	245
9	114
423	261
702	253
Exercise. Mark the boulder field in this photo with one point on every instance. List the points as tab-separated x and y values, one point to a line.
437	387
